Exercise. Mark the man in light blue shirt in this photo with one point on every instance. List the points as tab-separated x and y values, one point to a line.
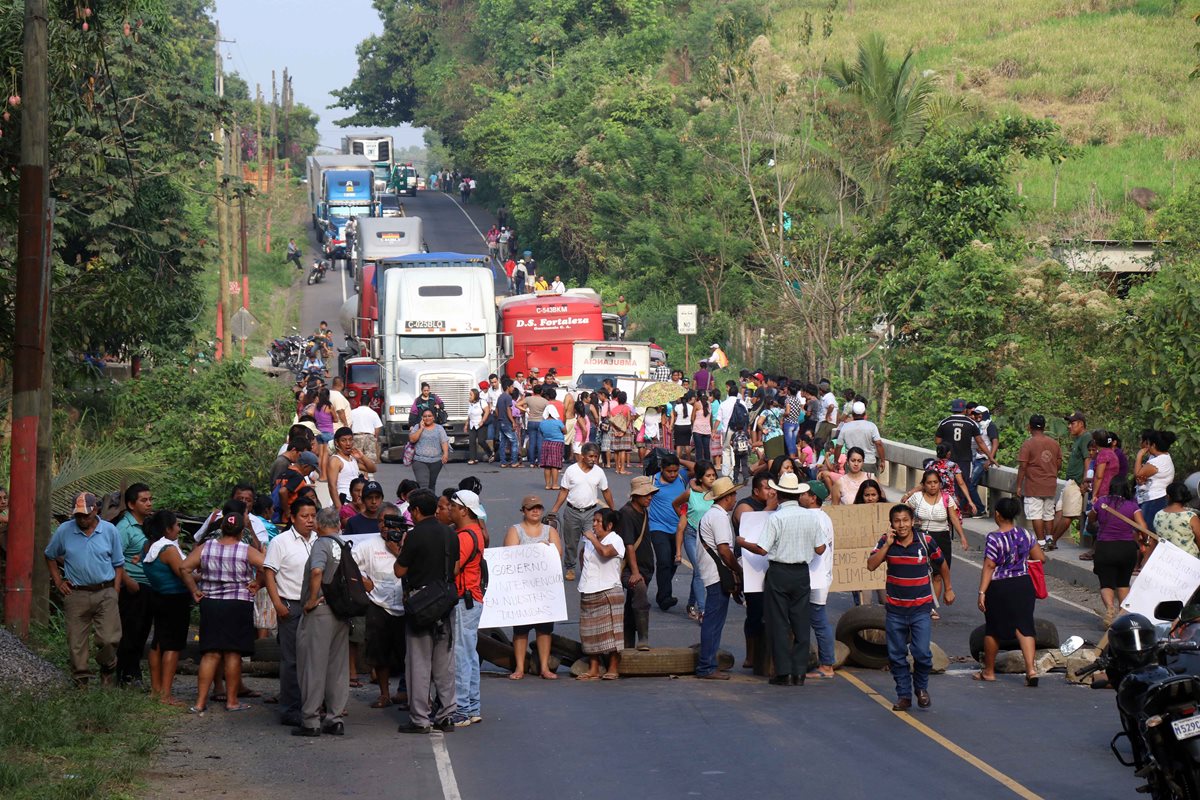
92	569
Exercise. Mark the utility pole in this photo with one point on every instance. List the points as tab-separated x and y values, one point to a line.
30	319
273	137
287	119
258	143
222	244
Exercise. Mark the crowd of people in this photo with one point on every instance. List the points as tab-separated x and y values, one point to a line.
268	563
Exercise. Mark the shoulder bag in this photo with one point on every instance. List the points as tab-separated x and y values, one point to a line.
430	604
729	581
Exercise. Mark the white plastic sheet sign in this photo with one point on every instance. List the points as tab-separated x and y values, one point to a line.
525	586
1169	574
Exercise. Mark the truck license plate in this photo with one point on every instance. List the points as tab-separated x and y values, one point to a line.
426	323
1186	728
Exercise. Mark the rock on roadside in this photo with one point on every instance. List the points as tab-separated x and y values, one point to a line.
22	671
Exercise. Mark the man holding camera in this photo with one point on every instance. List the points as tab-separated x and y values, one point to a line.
376	560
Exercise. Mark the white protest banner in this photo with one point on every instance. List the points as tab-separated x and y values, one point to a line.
525	586
1169	574
356	539
856	530
754	567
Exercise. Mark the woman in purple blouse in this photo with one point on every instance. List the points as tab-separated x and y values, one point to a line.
1006	595
1117	551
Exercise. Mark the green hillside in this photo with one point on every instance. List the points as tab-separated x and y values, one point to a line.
1112	73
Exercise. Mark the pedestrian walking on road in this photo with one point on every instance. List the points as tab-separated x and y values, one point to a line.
936	514
1117	552
910	557
601	598
431	450
716	541
427	556
580	488
323	640
1006	593
86	566
672	480
1037	479
476	427
532	530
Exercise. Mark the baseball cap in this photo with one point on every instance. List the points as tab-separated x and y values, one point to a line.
372	487
958	406
1037	422
1074	416
858	408
531	501
308	459
312	426
533	370
483	385
714	346
642	485
342	431
467	499
819	489
982	409
85	503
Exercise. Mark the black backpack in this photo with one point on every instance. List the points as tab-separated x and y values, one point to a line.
739	418
346	595
653	460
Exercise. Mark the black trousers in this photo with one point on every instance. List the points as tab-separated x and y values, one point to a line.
785	595
664	565
137	617
289	679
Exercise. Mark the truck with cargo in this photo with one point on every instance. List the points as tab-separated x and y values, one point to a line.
347	193
379	149
404	180
437	325
379	239
316	166
544	327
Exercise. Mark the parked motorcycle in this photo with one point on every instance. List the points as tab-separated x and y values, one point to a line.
317	273
1157	676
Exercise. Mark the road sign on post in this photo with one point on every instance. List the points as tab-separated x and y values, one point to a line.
685	323
242	324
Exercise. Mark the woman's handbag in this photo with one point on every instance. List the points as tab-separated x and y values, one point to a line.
410	450
641	434
1037	574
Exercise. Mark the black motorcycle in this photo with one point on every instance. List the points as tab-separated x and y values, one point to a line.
317	273
1158	699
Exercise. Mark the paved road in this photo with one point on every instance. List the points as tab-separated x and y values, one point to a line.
680	738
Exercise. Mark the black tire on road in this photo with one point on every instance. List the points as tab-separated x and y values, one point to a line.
865	652
1045	633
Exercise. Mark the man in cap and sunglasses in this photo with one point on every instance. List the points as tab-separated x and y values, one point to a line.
639	561
87	566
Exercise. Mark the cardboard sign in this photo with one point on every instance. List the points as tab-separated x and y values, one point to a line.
856	531
1169	574
751	526
525	586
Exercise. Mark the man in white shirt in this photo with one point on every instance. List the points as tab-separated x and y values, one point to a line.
861	432
367	427
716	541
582	485
376	559
284	572
827	411
558	287
723	414
341	406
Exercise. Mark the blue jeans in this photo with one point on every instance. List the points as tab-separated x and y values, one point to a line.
534	451
791	430
824	633
717	606
509	452
466	660
905	625
691	546
978	470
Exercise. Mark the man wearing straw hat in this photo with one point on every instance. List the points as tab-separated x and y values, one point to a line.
716	539
794	537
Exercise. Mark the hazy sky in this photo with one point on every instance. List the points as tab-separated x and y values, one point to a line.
315	40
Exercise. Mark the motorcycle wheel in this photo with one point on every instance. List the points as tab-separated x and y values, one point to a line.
1189	776
312	278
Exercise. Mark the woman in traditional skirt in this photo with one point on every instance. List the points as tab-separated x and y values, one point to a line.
553	435
602	601
1006	594
620	420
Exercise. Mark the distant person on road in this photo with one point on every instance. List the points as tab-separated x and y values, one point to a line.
960	432
346	462
1037	479
293	254
92	567
860	432
1006	593
367	428
601	598
581	486
910	556
936	514
432	450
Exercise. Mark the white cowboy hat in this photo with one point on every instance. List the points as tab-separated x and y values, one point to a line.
789	483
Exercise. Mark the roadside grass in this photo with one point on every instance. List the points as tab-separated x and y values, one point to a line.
270	275
1112	73
71	744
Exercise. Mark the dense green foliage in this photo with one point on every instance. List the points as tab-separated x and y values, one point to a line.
862	215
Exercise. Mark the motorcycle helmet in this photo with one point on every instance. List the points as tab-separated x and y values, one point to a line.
1132	639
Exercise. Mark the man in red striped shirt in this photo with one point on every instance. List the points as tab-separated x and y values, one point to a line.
910	556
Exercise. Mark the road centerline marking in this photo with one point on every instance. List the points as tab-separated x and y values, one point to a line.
987	769
445	770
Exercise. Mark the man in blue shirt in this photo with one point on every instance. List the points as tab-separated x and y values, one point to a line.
671	481
92	569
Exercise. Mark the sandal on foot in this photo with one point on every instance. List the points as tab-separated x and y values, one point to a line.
935	616
609	676
1085	556
1031	681
238	707
199	711
382	702
549	676
356	684
516	676
587	676
978	676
